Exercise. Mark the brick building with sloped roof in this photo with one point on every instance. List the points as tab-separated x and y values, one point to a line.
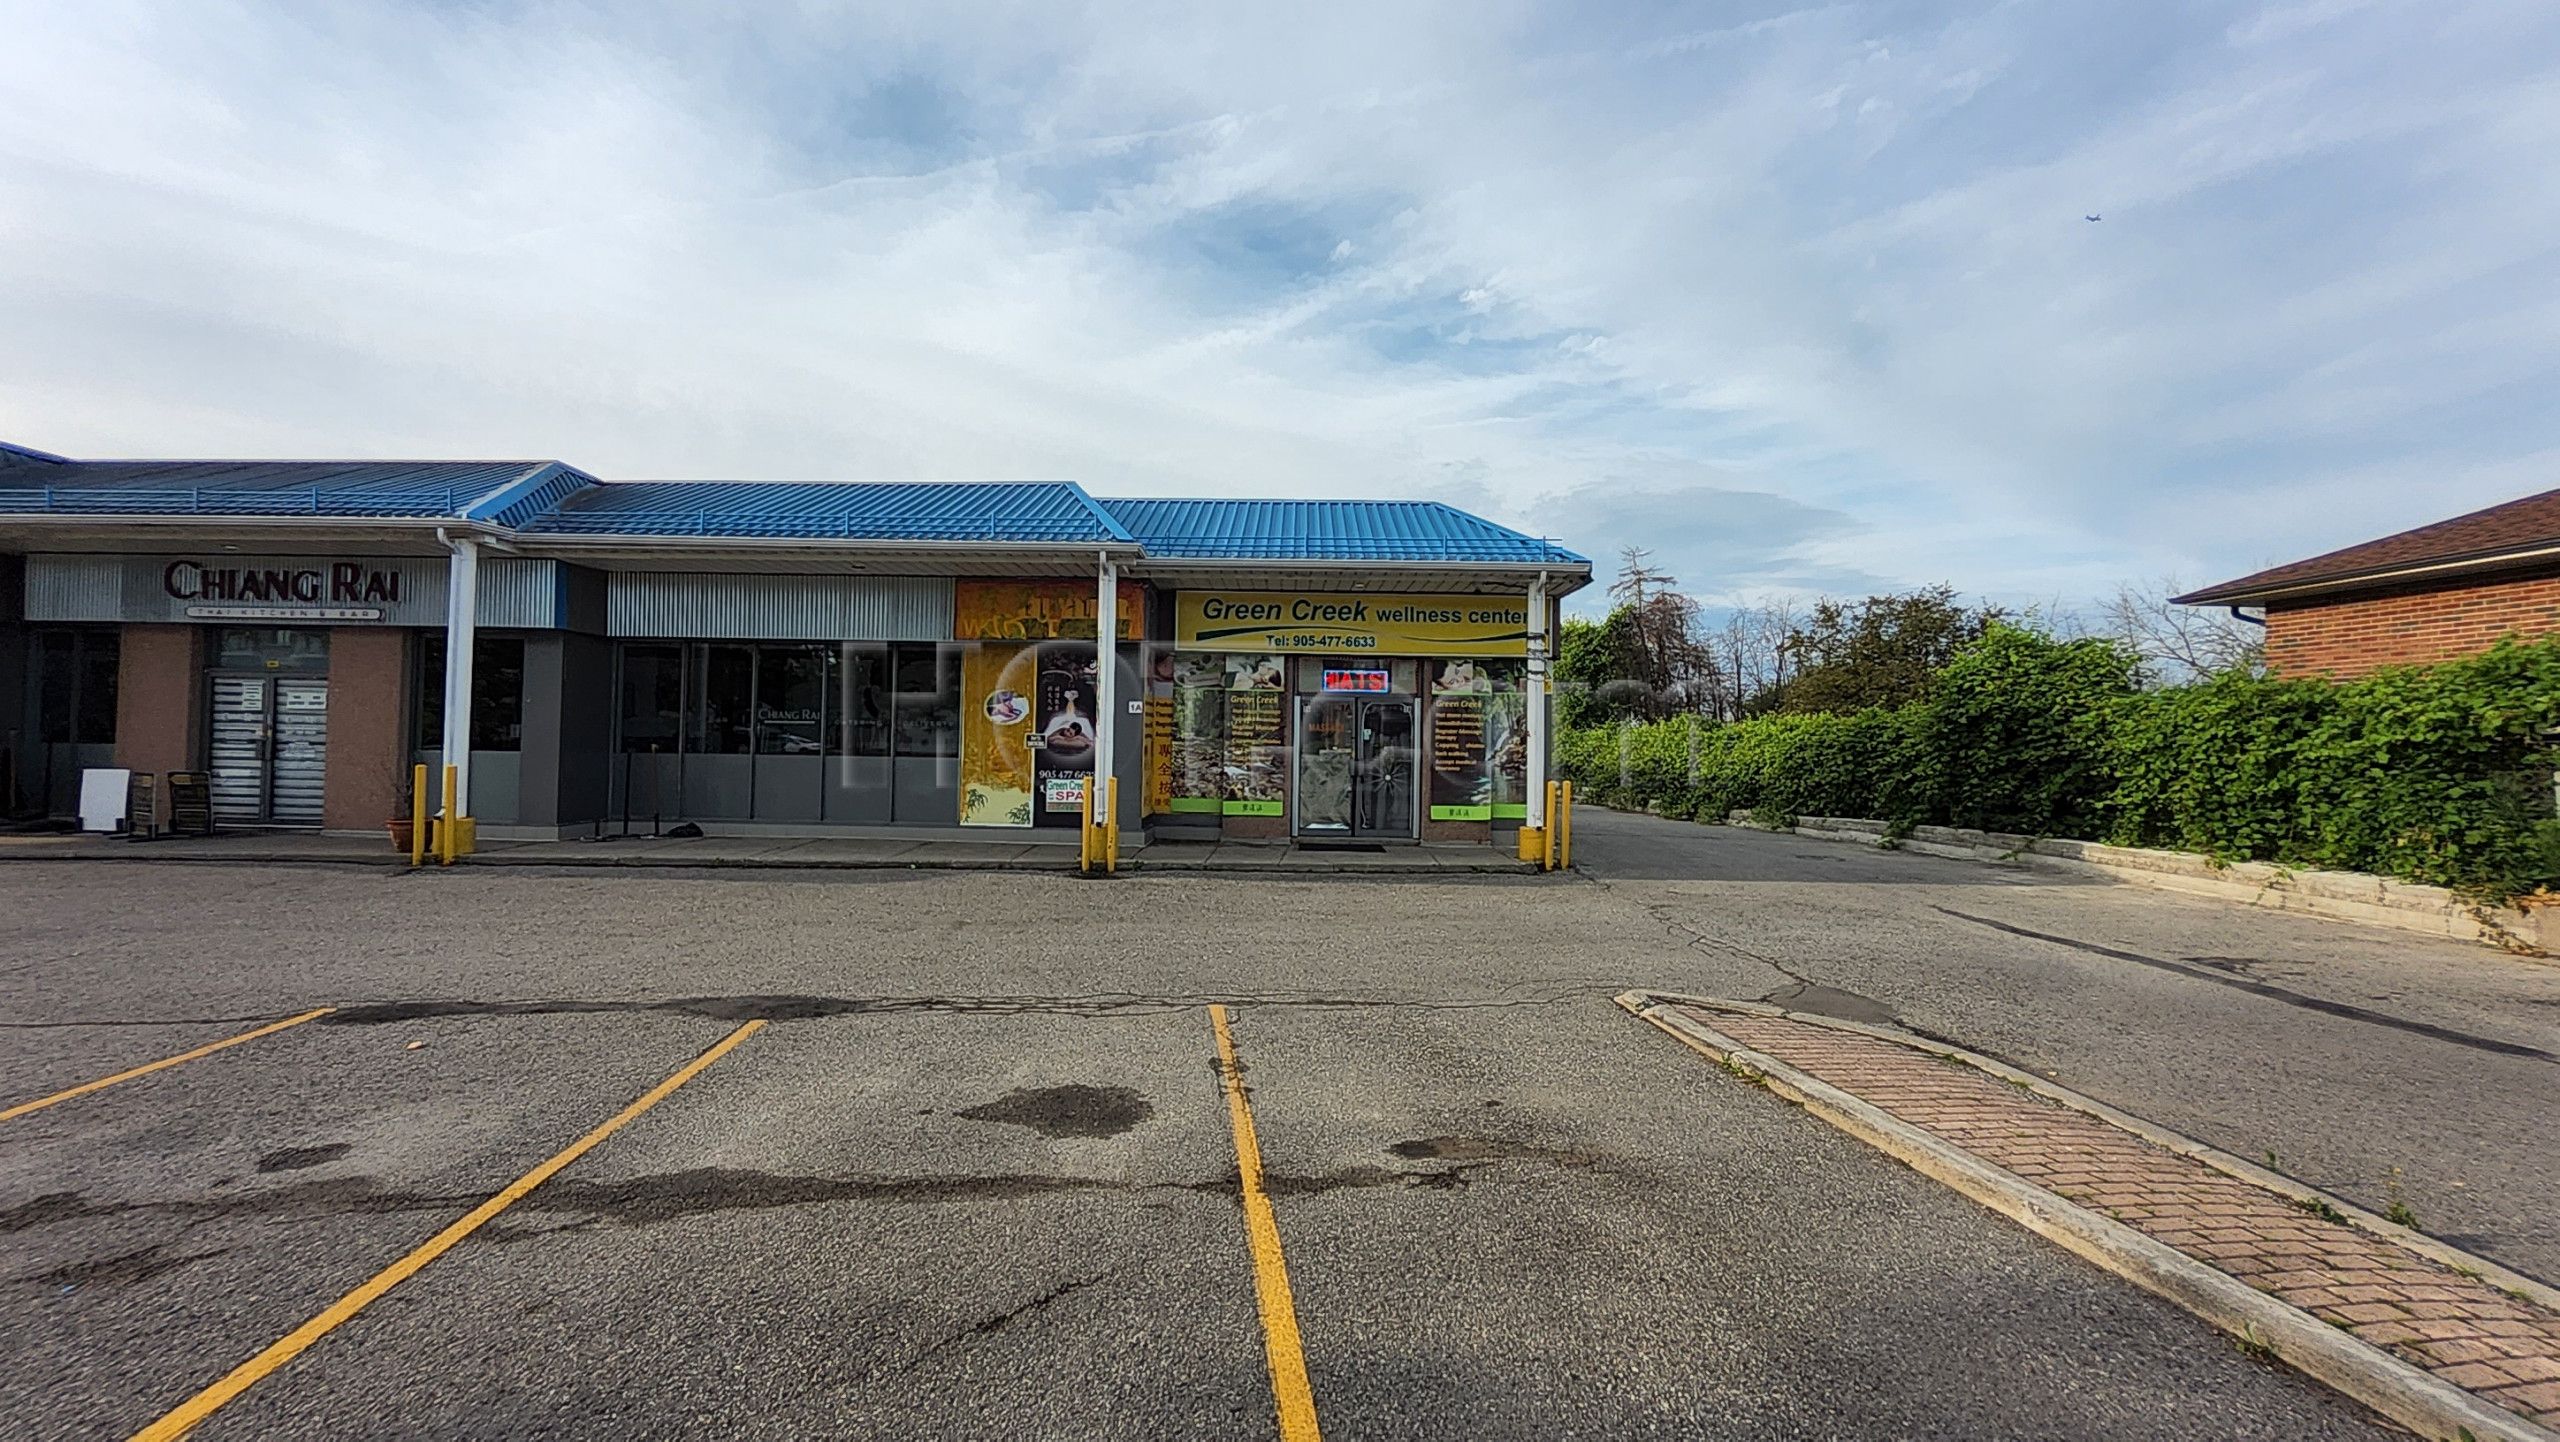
2440	591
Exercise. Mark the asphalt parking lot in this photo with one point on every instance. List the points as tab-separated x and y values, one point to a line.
971	1168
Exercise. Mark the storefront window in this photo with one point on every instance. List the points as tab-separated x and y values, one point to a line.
928	701
57	684
497	693
652	698
862	702
76	686
723	720
791	687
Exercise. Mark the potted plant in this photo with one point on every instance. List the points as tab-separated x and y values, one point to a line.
402	825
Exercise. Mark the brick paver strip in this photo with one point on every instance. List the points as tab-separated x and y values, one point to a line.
2458	1327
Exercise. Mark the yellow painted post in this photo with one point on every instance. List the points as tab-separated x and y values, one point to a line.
1084	834
1553	831
1565	854
418	831
449	830
1111	825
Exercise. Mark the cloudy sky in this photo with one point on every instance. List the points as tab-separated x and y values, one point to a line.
1803	299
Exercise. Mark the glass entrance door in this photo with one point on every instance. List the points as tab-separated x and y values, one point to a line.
270	749
1356	767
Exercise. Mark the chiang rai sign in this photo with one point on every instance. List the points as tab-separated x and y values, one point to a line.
1383	625
338	591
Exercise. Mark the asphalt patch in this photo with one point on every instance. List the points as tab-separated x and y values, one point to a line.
294	1159
1067	1111
125	1269
1832	1002
665	1196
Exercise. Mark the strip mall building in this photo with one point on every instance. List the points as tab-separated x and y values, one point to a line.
769	656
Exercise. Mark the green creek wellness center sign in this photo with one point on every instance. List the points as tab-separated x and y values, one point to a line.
1378	625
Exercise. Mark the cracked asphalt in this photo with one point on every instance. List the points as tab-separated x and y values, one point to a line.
975	1174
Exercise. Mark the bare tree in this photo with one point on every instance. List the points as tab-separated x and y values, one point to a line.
1667	667
2182	641
1750	653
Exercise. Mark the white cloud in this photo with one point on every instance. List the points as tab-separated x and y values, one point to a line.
1542	262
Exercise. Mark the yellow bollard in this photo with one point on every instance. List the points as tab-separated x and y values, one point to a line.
1565	851
418	828
1084	834
1111	825
449	830
1553	831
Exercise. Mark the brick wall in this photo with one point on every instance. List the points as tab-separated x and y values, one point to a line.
369	710
159	705
2350	636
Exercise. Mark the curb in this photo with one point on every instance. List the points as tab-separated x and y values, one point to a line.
2398	1390
1062	867
2541	1293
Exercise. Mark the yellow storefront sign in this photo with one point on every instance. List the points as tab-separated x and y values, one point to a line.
1389	625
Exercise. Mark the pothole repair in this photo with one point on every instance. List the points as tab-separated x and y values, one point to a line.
1067	1111
294	1159
1833	1002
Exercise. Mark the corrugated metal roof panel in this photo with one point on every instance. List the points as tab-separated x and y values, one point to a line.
1326	531
262	488
11	455
998	511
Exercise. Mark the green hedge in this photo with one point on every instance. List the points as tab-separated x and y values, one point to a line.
2437	774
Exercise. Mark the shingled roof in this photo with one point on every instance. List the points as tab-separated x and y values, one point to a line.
2508	534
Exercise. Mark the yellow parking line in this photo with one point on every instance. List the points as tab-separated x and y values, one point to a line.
1281	1346
208	1049
241	1378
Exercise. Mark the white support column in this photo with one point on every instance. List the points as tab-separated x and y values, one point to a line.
461	612
1538	703
1106	684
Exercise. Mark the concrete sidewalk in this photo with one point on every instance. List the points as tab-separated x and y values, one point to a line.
782	852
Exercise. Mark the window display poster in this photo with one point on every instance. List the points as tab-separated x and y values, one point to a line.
1461	788
998	685
1198	692
1159	734
1506	738
1063	740
1040	610
1257	756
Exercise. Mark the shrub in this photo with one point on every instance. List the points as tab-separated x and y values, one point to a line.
2438	774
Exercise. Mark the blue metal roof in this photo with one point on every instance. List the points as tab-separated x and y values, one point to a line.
1327	531
995	511
549	498
26	456
423	489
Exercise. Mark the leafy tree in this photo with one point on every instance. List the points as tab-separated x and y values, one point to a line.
2018	727
1882	651
1591	657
